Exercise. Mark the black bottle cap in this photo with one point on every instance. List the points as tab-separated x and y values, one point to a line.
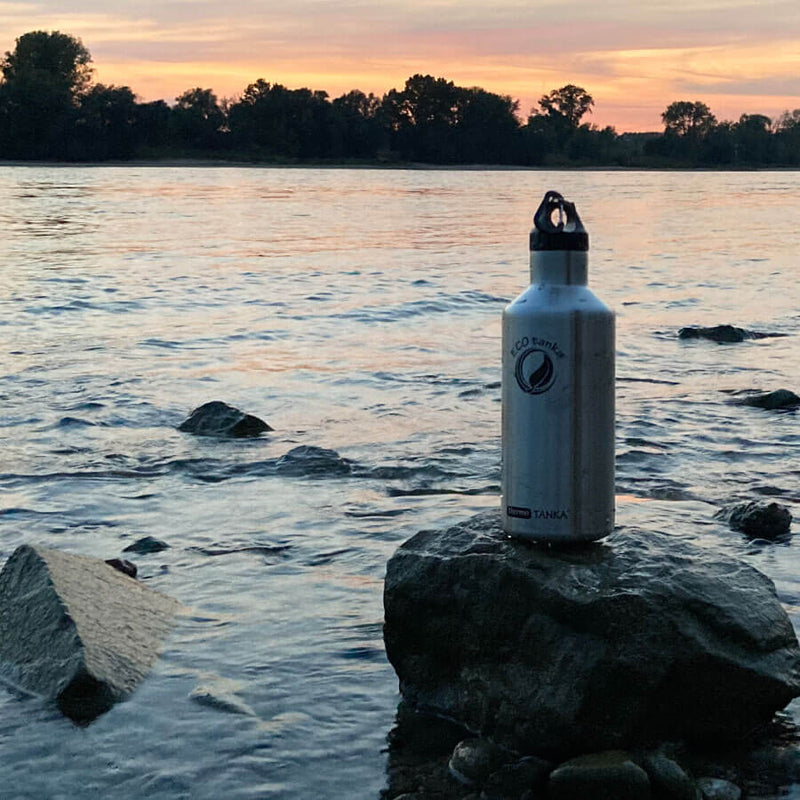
565	233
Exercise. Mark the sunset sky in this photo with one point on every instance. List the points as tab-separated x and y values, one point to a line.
633	56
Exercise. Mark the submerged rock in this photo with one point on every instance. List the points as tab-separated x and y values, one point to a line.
724	334
146	545
76	630
771	401
219	419
309	460
758	520
220	701
643	638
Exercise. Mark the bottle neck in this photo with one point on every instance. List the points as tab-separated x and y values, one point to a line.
568	267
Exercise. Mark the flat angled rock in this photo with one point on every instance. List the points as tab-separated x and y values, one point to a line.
556	652
76	630
219	419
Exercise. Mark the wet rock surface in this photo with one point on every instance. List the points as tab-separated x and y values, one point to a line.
602	776
668	779
219	419
146	545
516	779
124	566
718	789
724	334
757	519
474	760
559	652
423	749
771	401
76	630
312	461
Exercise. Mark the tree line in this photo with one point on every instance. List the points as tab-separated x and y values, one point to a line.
50	109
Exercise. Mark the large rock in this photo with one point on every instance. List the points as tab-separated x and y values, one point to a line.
76	630
558	652
219	419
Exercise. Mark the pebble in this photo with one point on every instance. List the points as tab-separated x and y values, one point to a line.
612	775
513	780
718	789
474	760
668	780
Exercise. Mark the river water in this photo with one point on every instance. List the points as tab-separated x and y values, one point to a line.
358	312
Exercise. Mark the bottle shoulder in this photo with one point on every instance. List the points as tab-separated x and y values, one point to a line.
557	298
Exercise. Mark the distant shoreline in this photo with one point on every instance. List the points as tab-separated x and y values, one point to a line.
175	163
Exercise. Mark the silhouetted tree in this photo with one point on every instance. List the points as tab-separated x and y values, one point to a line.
105	126
43	79
719	147
276	121
685	118
357	124
49	109
423	117
551	127
591	145
787	135
754	139
197	119
687	125
434	120
570	103
487	127
152	122
541	138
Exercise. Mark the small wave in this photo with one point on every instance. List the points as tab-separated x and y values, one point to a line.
378	514
74	422
160	343
635	441
228	550
443	304
321	559
463	450
646	380
492	489
428	379
639	457
363	653
88	406
657	491
405	473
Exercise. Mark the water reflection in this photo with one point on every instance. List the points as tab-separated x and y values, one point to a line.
358	312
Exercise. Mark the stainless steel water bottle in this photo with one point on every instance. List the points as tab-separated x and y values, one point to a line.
558	391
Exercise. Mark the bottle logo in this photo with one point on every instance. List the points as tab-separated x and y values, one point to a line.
534	371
